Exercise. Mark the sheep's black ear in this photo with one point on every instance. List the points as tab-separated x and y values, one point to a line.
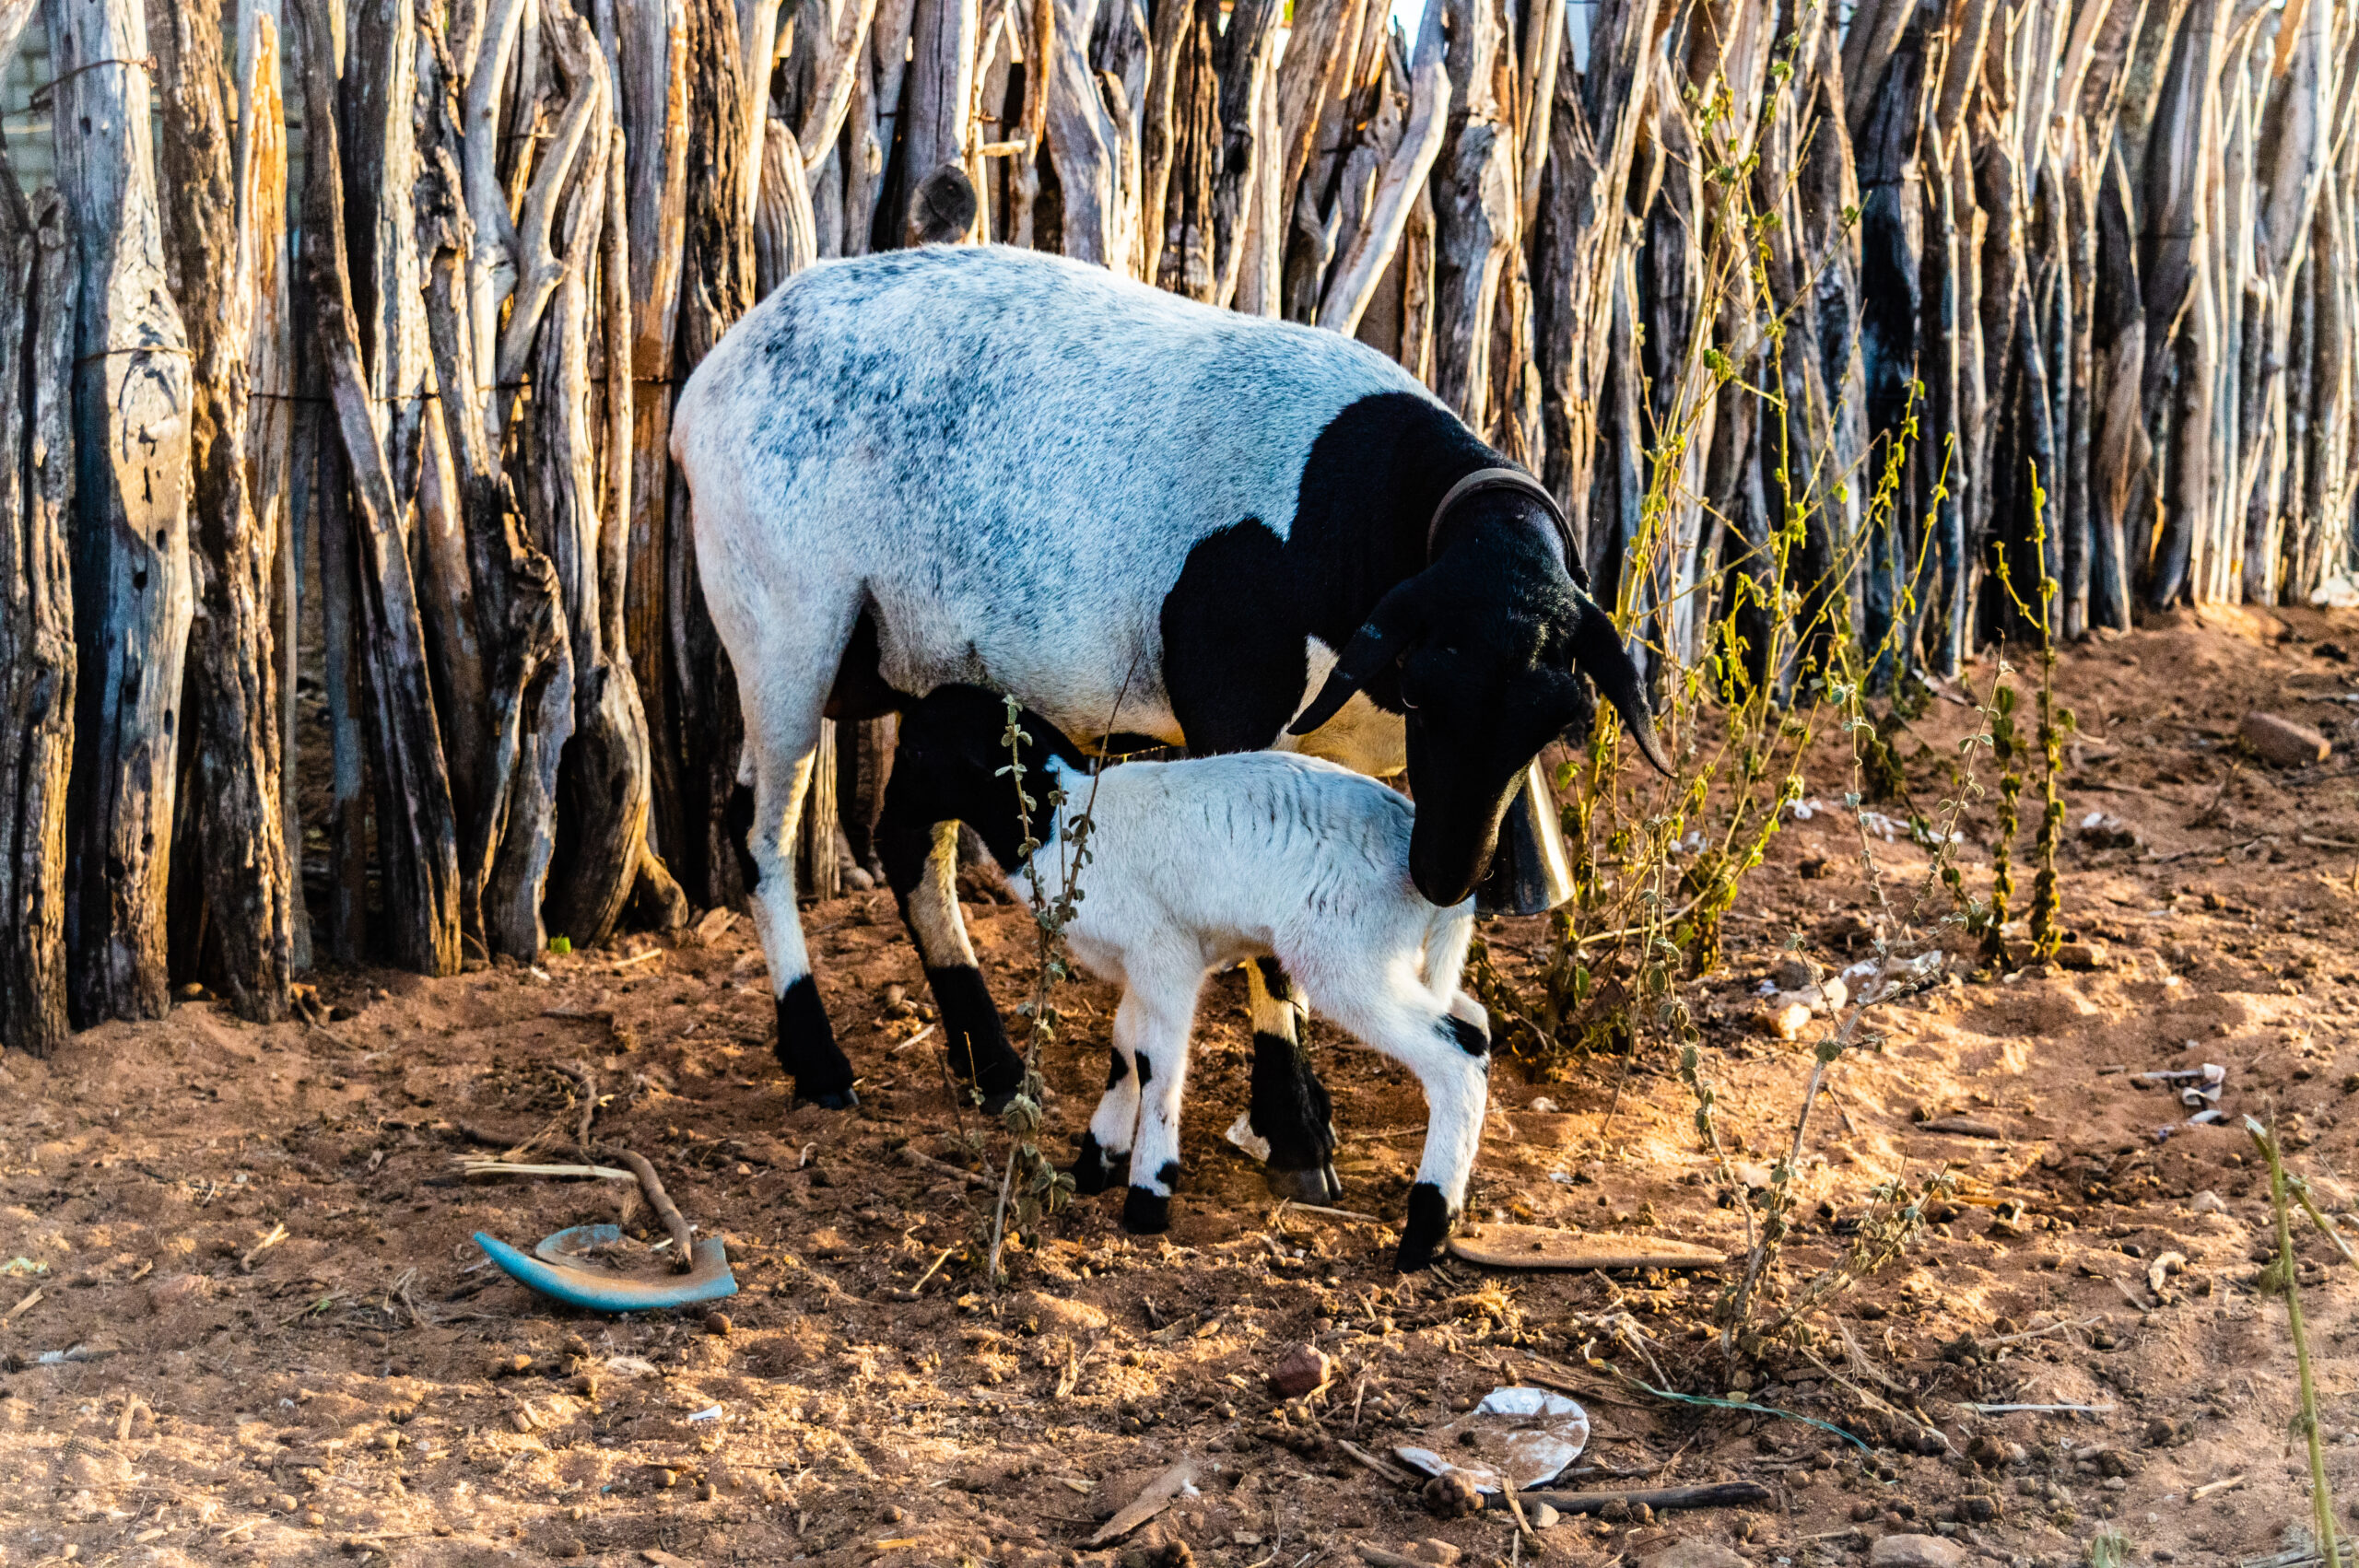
1389	630
1597	653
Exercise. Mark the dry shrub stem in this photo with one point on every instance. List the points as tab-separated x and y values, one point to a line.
2285	1276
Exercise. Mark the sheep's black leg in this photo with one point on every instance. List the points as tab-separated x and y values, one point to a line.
806	1045
1289	1105
921	864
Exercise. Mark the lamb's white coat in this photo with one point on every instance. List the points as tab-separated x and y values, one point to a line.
1201	865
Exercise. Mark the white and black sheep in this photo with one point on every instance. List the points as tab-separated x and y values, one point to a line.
1195	866
1139	514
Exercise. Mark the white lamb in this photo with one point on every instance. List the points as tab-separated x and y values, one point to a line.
1197	866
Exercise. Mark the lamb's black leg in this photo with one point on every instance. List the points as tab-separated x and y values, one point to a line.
921	864
1288	1107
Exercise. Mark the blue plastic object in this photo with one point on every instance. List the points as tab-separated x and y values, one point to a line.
550	1274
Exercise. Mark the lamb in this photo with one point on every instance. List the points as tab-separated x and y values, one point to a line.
1195	866
967	464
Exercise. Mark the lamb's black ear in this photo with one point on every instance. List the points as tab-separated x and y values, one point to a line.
1597	653
1391	626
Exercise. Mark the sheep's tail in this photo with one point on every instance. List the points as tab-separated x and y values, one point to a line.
1448	933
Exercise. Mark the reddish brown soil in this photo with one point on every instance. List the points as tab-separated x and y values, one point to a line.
367	1383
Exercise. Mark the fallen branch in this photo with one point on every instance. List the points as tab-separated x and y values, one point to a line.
1721	1494
1153	1499
502	1167
944	1167
1393	1473
682	1237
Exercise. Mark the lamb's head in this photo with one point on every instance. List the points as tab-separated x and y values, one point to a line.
1485	653
952	763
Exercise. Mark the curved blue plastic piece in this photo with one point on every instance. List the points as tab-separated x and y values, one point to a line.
599	1292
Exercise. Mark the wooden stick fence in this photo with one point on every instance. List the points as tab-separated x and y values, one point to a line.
341	361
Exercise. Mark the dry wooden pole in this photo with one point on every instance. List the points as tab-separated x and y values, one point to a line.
262	174
248	881
1379	235
1245	55
1477	191
940	94
417	831
716	288
650	39
133	396
1592	132
506	826
2176	223
1094	143
876	117
37	666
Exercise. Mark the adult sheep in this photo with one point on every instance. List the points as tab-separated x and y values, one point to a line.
1135	514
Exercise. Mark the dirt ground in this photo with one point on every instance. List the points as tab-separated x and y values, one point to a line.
280	1344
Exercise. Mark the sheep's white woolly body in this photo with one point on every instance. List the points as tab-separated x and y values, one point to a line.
1201	865
1003	445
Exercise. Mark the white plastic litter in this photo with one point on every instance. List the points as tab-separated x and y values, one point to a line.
711	1412
1524	1435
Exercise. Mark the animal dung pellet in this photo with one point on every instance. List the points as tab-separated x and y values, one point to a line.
716	1323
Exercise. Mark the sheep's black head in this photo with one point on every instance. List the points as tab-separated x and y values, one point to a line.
1486	651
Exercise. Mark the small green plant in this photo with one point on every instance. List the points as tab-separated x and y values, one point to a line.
2110	1549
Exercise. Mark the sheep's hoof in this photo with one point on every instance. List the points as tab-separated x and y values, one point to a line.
1146	1213
995	1104
1094	1170
1317	1184
1427	1226
842	1099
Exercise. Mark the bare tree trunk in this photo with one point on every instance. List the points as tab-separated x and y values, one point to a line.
507	824
1378	237
37	661
940	95
248	883
133	395
2175	242
876	117
1592	132
716	288
416	829
262	174
652	44
1093	145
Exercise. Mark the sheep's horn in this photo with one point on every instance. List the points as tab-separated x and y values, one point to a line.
1597	653
1384	638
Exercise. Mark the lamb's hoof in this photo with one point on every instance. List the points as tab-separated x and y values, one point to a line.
1096	1171
1426	1228
995	1106
1317	1184
1146	1213
843	1099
